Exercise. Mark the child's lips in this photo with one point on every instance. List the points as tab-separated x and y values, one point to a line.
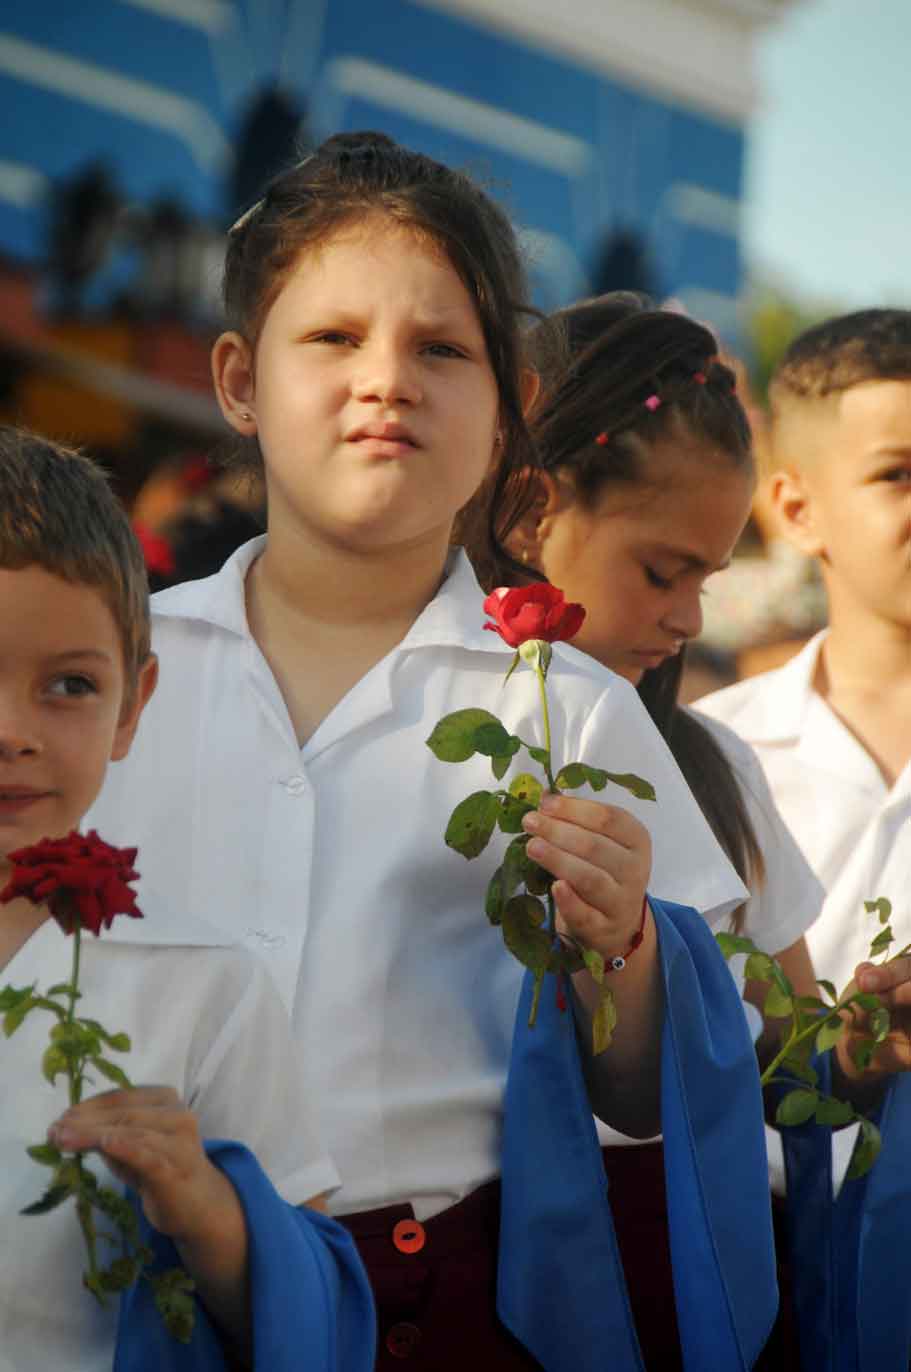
15	799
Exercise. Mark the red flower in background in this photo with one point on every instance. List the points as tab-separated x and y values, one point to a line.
538	611
157	551
79	875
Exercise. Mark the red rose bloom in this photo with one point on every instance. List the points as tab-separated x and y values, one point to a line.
79	875
536	611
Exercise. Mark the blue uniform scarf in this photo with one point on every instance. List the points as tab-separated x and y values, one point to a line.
851	1283
561	1285
312	1307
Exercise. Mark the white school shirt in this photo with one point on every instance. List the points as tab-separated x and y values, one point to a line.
330	861
203	1018
853	828
785	904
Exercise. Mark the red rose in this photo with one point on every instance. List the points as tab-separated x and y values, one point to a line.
535	611
77	875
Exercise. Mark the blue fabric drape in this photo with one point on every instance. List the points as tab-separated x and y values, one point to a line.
561	1285
312	1306
852	1291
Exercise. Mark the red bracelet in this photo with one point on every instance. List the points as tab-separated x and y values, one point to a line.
617	964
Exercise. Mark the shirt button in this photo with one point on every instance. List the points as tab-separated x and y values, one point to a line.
403	1339
295	786
409	1236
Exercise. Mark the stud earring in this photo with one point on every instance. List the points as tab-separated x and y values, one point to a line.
524	554
246	416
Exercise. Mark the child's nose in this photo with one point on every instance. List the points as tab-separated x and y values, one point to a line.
18	738
684	619
388	376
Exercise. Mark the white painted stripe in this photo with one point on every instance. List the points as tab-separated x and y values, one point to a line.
212	16
22	186
124	95
702	208
486	124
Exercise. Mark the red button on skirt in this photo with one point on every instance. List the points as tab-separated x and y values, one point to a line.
409	1236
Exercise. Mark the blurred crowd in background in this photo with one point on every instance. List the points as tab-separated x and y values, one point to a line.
135	131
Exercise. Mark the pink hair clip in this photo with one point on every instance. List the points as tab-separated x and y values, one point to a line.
653	403
602	439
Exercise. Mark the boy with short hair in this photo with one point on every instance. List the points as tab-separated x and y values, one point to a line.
75	673
833	726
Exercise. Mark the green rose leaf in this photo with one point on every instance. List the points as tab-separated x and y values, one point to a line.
801	1070
538	880
759	967
523	934
45	1153
63	988
734	943
570	776
604	1022
515	866
54	1062
118	1209
121	1274
526	787
500	765
13	1018
829	1034
540	755
879	1023
53	1196
866	1150
777	1003
637	786
796	1107
510	812
865	999
472	823
11	996
829	989
495	898
173	1292
862	1051
834	1112
595	964
493	740
811	1003
111	1071
881	907
882	941
453	738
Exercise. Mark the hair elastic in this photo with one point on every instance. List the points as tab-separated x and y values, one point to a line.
653	403
602	439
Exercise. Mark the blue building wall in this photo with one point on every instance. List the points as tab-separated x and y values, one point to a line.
573	155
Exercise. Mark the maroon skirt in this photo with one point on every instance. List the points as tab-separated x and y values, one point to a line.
435	1283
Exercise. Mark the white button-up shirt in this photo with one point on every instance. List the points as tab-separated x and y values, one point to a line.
855	831
203	1018
329	860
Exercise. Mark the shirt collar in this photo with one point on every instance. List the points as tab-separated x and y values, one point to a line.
218	599
779	712
454	617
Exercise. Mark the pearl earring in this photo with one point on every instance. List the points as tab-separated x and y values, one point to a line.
246	416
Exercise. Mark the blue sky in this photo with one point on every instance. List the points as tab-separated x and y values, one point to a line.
828	188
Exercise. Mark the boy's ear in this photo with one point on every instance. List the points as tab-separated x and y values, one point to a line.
232	375
132	711
792	500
